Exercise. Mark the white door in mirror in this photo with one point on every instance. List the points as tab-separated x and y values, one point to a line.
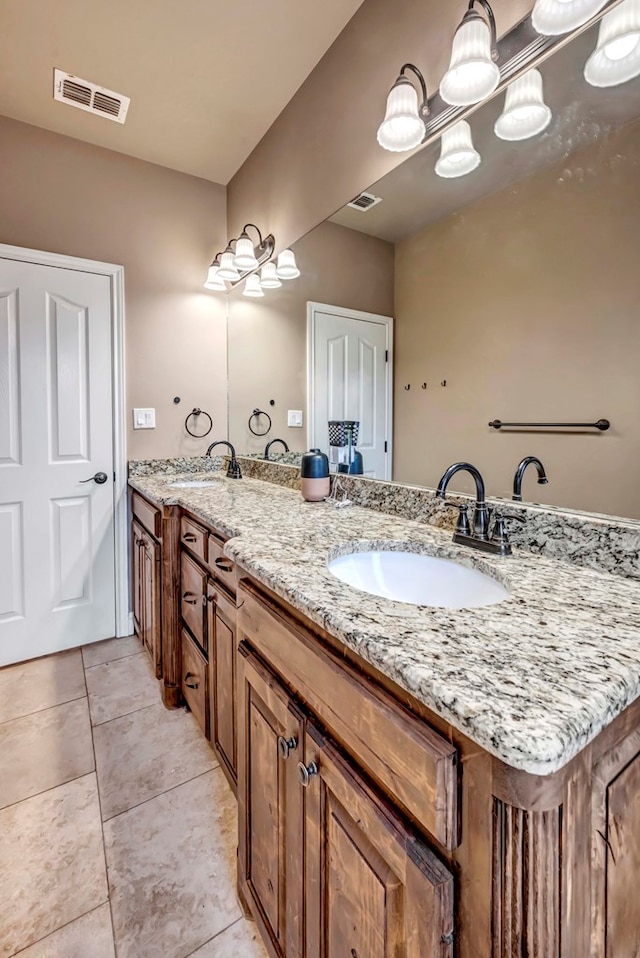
418	579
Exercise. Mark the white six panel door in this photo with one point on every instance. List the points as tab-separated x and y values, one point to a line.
57	579
351	382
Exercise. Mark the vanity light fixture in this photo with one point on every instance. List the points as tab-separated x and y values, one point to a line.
458	155
228	269
473	73
287	268
525	113
269	277
213	281
616	58
252	286
555	17
403	127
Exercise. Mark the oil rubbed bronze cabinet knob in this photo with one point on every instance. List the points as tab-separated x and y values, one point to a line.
191	685
286	745
189	537
306	773
225	565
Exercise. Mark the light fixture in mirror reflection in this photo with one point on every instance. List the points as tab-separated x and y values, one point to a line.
518	285
616	58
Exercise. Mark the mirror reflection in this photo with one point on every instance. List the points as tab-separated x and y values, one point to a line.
511	293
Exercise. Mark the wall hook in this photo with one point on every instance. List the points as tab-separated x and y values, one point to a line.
408	387
424	385
444	382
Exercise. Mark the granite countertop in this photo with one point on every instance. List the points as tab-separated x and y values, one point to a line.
532	679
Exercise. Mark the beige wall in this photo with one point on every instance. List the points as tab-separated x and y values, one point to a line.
527	303
268	337
322	149
65	196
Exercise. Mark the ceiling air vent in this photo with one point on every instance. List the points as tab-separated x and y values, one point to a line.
365	201
89	96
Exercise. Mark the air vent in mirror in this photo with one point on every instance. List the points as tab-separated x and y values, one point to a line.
364	202
89	96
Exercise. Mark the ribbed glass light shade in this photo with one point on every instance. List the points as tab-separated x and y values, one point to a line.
458	155
616	57
244	258
227	269
286	268
554	17
525	113
403	127
213	281
269	277
472	74
252	286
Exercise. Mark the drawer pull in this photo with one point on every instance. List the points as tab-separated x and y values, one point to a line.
286	745
189	537
139	542
306	772
212	597
225	565
190	597
191	685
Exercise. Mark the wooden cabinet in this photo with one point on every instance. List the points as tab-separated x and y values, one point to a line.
221	628
269	805
327	866
146	556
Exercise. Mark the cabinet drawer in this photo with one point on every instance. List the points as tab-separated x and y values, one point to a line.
224	569
193	597
146	514
193	536
410	760
194	681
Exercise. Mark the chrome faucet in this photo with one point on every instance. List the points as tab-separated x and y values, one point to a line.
233	469
519	476
478	536
270	444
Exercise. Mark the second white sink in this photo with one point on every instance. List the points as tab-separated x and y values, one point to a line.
193	483
418	579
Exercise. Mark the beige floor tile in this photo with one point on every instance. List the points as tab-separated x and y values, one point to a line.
172	868
109	650
41	683
117	688
166	749
45	749
241	940
51	863
88	937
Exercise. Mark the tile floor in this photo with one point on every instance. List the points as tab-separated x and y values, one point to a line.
117	827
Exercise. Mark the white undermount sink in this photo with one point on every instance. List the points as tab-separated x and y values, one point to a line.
193	483
418	579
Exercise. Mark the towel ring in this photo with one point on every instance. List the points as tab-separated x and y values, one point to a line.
255	415
198	412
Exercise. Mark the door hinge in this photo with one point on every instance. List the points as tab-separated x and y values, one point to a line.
386	355
386	446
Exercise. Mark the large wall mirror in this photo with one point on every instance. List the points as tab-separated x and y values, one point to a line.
515	296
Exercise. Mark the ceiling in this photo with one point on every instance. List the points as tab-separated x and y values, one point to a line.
413	196
206	78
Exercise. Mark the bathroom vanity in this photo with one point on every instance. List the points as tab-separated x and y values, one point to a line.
411	781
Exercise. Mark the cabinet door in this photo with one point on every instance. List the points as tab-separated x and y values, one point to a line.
222	679
269	804
193	592
373	888
151	634
137	541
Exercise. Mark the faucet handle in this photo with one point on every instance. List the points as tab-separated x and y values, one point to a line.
462	524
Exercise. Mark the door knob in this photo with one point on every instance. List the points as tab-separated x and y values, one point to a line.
305	773
286	745
100	478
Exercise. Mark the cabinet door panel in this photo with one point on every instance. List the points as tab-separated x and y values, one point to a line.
150	556
269	804
137	539
193	584
623	863
222	679
373	888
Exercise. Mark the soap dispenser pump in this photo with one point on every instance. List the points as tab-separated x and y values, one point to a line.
314	472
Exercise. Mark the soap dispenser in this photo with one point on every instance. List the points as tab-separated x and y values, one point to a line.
314	472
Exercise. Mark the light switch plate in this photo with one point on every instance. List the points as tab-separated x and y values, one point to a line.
144	419
294	417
